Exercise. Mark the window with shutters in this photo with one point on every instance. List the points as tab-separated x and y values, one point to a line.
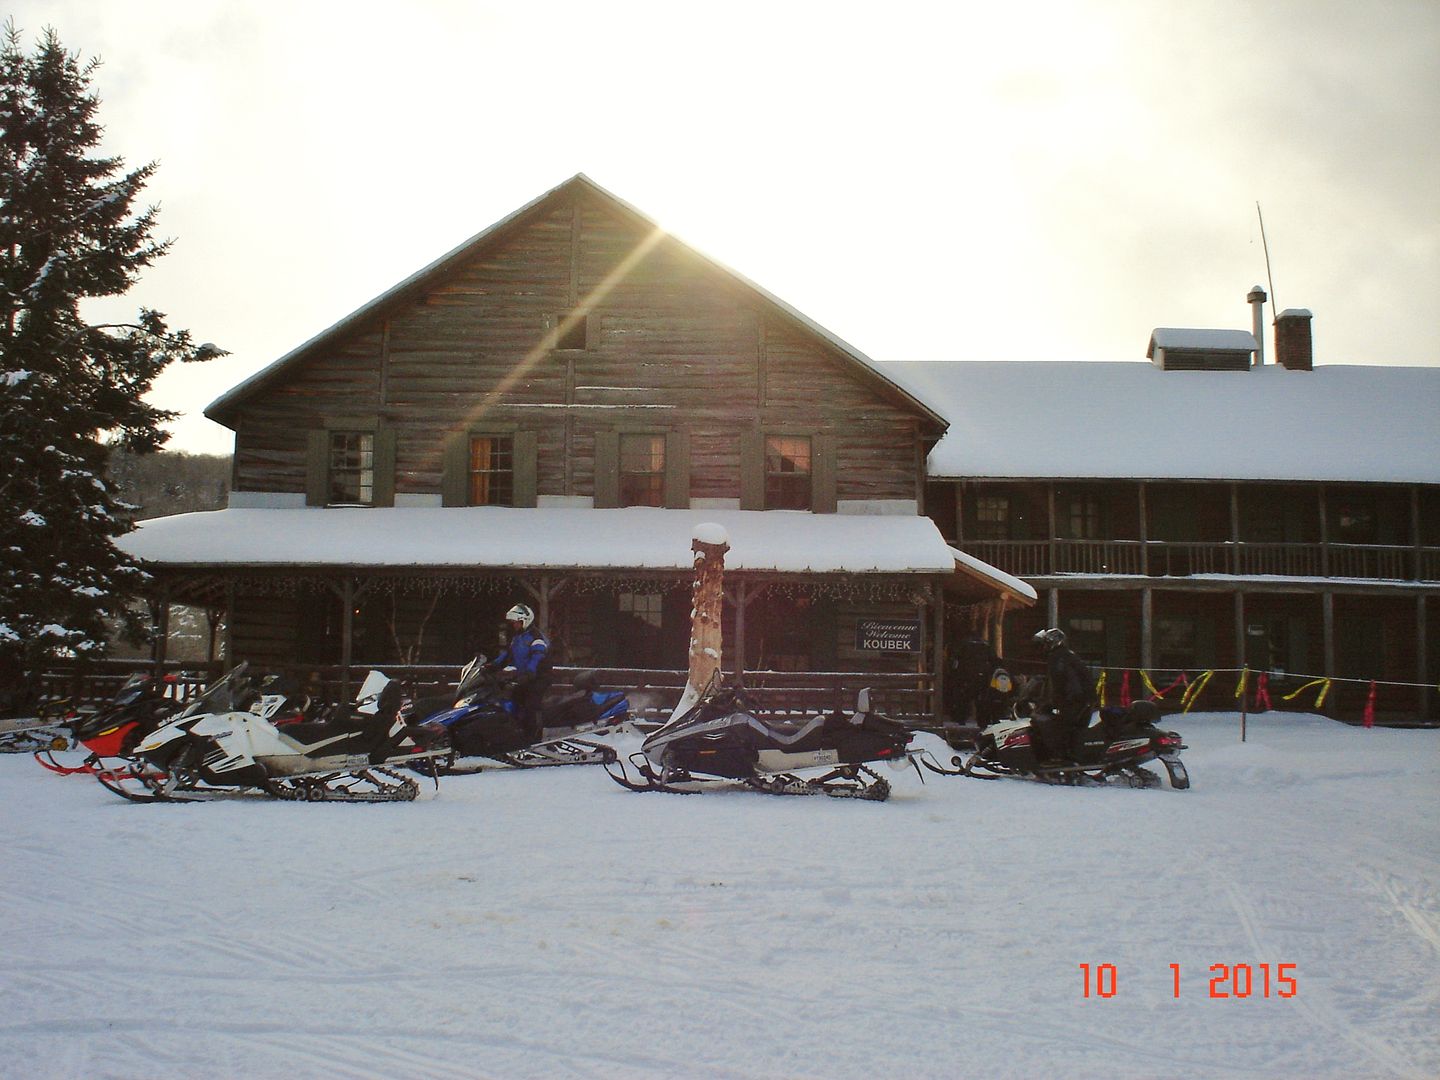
642	470
351	470
787	472
491	470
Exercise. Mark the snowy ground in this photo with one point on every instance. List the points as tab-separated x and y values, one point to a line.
550	924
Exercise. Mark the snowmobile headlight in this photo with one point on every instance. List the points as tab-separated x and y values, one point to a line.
59	742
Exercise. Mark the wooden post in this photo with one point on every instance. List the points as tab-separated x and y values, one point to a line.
998	640
1324	533
742	601
1234	528
1240	649
1327	613
1050	507
709	542
1416	540
1144	534
937	689
160	646
1147	627
347	634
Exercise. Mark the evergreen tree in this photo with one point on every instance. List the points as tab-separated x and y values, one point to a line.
70	390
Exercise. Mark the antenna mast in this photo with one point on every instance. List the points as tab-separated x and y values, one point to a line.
1275	304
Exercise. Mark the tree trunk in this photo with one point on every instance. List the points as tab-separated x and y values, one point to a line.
710	543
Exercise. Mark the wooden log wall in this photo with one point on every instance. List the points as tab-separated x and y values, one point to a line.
672	344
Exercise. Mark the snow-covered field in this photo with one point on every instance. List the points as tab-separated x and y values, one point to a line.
550	924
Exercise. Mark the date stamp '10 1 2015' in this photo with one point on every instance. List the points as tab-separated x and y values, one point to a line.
1231	981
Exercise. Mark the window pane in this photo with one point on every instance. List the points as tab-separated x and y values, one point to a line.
492	470
352	467
992	517
642	470
787	472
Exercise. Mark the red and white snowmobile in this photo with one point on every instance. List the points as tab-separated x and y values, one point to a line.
228	742
141	705
720	741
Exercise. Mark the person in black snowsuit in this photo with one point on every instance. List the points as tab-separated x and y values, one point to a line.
1072	697
528	653
972	664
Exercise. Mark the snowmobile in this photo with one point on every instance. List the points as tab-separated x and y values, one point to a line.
479	722
142	704
720	740
1116	746
227	742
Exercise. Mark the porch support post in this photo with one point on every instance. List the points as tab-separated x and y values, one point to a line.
1144	534
937	689
997	637
1422	674
160	646
1052	607
739	597
1050	509
1324	534
1327	611
347	633
227	643
1418	573
1240	645
1234	528
1147	605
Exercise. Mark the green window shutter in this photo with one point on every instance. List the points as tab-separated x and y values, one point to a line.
823	472
317	468
677	470
527	467
455	471
752	470
385	466
607	468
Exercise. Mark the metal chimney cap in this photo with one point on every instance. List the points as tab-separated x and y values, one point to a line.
1257	295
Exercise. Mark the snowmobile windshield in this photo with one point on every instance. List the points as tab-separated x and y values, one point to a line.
470	676
224	695
131	688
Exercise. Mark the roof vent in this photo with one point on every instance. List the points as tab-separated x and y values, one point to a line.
1175	349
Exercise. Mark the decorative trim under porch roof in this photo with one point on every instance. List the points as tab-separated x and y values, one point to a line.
490	538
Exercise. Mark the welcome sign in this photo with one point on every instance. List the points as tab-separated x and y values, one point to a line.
888	635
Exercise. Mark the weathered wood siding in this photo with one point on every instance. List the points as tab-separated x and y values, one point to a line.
673	345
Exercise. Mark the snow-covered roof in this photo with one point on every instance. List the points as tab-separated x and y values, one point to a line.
1174	337
561	538
219	409
1132	420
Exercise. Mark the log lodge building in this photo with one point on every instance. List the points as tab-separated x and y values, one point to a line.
544	414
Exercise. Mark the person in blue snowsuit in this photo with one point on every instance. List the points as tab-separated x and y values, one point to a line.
528	653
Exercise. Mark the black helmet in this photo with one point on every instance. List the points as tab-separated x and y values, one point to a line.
1051	637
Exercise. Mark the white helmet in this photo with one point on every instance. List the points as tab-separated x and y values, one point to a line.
1050	638
521	614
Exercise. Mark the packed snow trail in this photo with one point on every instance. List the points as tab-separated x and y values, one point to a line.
547	923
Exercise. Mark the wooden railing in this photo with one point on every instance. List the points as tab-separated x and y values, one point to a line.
1163	558
653	693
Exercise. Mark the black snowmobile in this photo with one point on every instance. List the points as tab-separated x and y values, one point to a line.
719	741
1116	746
476	726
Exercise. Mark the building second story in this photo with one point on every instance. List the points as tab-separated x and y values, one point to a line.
574	354
1051	470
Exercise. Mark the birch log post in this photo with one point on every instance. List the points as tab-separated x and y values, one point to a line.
709	542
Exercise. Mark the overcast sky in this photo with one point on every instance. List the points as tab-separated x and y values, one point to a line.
929	181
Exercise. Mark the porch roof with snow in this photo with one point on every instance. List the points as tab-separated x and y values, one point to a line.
1082	420
505	538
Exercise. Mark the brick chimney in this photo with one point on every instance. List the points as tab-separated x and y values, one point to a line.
1292	340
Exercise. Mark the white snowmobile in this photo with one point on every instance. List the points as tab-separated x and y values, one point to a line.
227	742
719	741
